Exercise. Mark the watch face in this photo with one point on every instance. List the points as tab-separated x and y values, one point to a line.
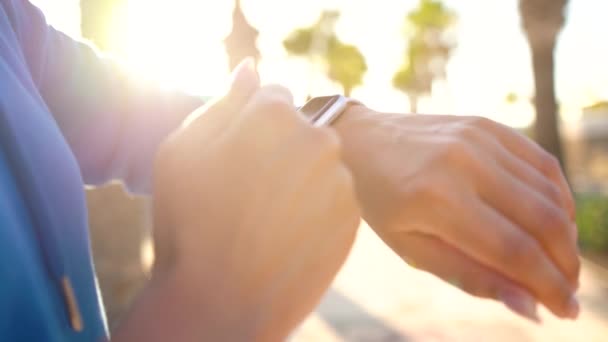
317	106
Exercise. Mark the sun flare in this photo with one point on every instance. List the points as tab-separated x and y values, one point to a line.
178	43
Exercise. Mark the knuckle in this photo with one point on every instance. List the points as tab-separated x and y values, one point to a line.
460	150
454	150
468	132
418	188
549	216
553	192
481	122
429	190
460	153
521	254
549	165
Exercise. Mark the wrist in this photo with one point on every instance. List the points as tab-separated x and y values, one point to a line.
352	126
353	114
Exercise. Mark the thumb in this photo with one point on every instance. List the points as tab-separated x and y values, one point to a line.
217	114
245	82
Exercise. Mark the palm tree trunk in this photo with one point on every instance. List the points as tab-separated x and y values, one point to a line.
413	104
546	127
347	91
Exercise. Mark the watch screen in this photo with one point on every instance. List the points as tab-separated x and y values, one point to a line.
317	106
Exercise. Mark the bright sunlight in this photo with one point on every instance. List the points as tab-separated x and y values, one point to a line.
179	44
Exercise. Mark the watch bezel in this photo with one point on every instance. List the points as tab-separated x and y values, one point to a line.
329	112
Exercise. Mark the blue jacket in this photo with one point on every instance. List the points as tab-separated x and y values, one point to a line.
67	118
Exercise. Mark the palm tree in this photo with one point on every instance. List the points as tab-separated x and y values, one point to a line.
415	77
346	66
343	63
428	50
313	42
542	21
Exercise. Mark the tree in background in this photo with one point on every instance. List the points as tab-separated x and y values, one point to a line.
542	21
346	66
343	63
313	42
241	42
428	51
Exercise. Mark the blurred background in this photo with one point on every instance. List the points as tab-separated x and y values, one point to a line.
536	65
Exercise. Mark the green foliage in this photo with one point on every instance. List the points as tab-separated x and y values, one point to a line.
343	63
314	40
299	42
430	14
596	110
346	66
592	221
403	79
511	98
428	49
601	105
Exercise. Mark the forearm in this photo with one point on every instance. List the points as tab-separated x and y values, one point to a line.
365	135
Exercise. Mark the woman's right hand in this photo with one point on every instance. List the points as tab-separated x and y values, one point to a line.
254	215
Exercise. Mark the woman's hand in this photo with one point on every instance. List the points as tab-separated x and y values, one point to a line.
254	215
469	200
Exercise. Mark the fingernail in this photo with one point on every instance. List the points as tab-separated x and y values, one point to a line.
573	308
521	303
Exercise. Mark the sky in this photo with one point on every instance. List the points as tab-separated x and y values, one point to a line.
178	43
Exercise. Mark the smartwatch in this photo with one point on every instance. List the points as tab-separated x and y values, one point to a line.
322	111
